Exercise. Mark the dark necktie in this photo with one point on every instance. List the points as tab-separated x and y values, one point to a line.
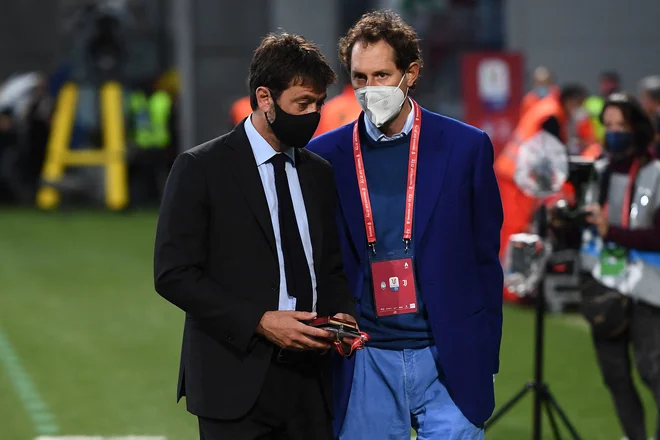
296	269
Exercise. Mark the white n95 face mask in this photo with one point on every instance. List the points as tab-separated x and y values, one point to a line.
381	104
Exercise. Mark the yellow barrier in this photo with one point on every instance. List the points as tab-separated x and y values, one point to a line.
58	145
116	188
111	156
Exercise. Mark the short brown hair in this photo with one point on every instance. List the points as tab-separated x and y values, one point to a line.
388	26
282	60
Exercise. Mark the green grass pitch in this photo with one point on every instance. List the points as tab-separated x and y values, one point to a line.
100	349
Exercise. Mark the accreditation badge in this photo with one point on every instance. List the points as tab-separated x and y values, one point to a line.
395	291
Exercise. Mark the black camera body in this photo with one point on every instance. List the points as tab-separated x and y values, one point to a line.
571	217
567	220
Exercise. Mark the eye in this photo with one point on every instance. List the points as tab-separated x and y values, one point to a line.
382	75
302	106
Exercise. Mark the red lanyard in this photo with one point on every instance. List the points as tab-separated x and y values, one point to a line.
627	197
356	344
412	177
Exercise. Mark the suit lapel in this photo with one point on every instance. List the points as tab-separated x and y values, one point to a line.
434	155
349	192
244	168
312	199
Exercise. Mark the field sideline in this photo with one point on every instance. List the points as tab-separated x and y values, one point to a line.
88	348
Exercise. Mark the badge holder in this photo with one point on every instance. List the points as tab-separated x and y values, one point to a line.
393	276
613	260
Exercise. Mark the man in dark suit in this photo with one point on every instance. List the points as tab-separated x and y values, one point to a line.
420	218
247	246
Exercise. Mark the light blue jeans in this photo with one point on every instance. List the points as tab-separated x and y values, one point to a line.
394	390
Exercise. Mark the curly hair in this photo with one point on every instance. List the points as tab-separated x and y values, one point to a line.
388	26
285	59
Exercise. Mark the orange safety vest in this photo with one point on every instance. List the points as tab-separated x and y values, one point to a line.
531	99
338	111
240	110
529	126
518	207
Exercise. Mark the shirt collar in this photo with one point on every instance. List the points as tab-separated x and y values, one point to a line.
261	149
377	135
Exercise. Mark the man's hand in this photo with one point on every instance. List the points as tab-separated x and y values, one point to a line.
286	330
597	219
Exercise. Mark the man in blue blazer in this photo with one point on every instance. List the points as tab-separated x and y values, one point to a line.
419	219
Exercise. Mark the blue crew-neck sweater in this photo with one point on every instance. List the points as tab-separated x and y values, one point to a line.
385	164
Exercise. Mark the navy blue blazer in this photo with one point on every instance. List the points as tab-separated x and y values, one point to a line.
456	233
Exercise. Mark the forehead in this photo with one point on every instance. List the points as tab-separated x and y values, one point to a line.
300	90
613	114
371	57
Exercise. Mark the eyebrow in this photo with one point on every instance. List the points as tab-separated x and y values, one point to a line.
310	98
378	72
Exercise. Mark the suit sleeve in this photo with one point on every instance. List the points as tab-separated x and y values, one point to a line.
487	223
180	260
342	299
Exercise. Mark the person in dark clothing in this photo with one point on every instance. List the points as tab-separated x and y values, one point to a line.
571	99
248	247
620	255
650	100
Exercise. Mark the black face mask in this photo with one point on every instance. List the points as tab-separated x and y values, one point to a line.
293	130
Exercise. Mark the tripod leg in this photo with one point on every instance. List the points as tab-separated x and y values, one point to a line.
507	406
563	417
537	427
551	417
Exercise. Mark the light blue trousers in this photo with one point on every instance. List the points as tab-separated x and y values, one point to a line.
396	390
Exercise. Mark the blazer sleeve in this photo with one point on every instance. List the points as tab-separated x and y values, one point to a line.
487	223
180	260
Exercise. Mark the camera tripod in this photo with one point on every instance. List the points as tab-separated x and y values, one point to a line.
542	394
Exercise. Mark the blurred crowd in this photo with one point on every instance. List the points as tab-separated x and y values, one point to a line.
602	220
109	43
27	106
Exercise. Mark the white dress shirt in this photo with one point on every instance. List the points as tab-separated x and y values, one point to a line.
263	152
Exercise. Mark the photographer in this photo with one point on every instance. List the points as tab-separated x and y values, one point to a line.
621	249
650	100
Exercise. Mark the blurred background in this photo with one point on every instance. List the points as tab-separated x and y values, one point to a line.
98	97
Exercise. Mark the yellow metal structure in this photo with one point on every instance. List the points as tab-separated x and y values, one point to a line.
112	156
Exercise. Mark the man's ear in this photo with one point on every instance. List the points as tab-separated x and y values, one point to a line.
264	99
412	74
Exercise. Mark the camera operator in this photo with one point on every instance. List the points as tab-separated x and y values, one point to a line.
650	100
621	250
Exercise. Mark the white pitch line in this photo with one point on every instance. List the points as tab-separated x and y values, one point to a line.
42	418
